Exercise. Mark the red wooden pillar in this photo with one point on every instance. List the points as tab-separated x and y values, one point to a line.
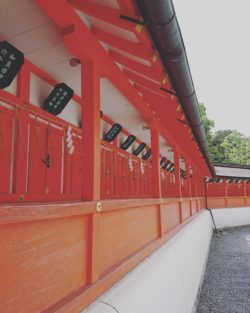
189	192
91	131
21	133
91	149
156	172
188	181
195	183
225	192
245	192
195	188
177	173
178	179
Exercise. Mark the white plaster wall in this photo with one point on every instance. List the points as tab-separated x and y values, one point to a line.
231	217
168	280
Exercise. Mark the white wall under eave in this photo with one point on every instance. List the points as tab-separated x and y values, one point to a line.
168	280
231	217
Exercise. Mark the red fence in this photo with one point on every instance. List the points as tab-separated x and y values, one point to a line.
228	194
228	189
118	180
35	164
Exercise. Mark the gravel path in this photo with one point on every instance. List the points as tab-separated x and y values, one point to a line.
226	285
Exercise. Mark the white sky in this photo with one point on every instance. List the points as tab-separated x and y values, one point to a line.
216	34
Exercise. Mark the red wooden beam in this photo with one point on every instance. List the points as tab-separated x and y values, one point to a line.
144	70
146	83
91	131
187	165
130	10
76	34
21	132
163	100
177	173
134	48
76	37
156	172
104	13
153	93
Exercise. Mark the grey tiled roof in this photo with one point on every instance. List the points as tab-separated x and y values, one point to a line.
232	170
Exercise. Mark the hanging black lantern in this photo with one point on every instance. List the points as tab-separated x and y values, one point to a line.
139	149
11	61
58	99
147	155
113	132
162	161
166	165
128	142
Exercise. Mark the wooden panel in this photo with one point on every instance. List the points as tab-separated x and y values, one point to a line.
248	201
124	232
45	260
216	202
185	210
171	216
235	202
194	206
6	140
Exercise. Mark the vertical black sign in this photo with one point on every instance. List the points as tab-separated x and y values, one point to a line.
162	161
170	167
128	142
166	164
139	149
113	132
58	99
182	173
147	155
11	61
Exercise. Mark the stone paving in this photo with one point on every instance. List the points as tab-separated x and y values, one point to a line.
226	285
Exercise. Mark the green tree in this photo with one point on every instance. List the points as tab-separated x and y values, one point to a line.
226	146
207	122
217	149
237	148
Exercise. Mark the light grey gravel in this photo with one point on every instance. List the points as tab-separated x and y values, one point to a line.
226	284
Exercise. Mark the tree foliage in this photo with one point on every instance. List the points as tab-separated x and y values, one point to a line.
226	146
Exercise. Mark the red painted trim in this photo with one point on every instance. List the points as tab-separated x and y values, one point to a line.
91	131
145	70
130	47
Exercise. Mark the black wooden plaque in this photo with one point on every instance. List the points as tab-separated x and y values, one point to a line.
170	167
128	142
58	99
162	161
113	132
147	155
166	164
11	61
139	149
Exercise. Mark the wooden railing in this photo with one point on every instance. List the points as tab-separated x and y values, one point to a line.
35	164
228	194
